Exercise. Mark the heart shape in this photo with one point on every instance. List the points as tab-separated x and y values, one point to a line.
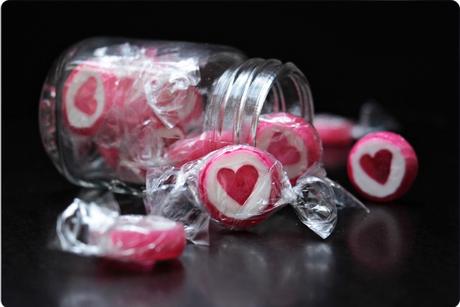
283	152
84	98
239	185
377	167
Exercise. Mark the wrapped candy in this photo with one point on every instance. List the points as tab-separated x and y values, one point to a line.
239	186
195	147
111	108
92	226
382	166
291	140
335	130
130	126
89	93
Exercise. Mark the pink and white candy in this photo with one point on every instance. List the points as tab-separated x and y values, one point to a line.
291	140
334	130
179	107
89	91
193	148
382	166
144	239
239	185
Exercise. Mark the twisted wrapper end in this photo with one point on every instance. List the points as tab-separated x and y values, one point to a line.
318	198
92	212
169	194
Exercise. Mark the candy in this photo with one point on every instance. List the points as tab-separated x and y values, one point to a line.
382	166
134	134
179	107
92	226
291	140
193	148
88	94
144	238
334	130
138	152
239	186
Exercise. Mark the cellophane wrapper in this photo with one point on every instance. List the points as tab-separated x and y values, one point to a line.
183	194
92	226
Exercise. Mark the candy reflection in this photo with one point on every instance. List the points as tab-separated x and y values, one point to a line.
242	270
380	241
110	287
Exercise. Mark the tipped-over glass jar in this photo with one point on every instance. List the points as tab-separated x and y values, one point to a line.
111	108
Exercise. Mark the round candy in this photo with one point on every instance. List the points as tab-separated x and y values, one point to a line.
144	239
240	185
193	148
179	107
382	166
88	93
333	130
291	140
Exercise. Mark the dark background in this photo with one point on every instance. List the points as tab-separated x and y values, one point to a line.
404	55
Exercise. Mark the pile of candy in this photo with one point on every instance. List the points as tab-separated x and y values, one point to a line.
145	122
131	108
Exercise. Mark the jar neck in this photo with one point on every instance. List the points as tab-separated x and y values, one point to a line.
255	87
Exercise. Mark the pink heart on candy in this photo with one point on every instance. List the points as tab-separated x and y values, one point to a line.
84	98
283	152
377	167
239	185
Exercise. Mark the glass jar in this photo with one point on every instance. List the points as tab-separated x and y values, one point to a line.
110	107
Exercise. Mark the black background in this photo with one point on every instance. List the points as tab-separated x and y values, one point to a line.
404	55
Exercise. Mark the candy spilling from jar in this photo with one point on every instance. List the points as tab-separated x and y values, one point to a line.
236	186
289	138
139	118
240	186
138	115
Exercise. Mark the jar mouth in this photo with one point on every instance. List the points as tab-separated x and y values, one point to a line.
253	88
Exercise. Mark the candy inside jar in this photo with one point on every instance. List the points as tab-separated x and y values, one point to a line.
112	108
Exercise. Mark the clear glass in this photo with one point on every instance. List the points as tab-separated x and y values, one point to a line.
111	107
